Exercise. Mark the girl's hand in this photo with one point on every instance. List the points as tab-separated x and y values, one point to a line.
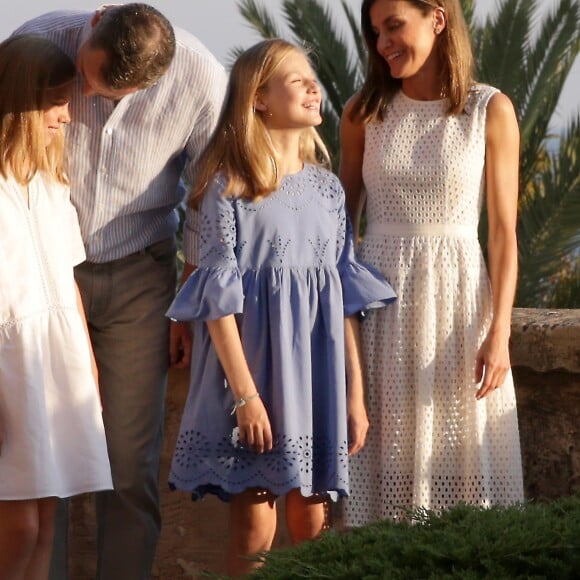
492	363
358	426
254	426
253	423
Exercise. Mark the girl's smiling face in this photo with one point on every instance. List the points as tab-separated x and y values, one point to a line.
291	98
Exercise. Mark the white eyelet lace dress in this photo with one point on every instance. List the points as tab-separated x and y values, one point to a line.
431	443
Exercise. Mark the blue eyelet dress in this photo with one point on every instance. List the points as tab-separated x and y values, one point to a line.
285	266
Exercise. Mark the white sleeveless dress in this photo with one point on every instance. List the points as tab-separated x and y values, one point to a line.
431	443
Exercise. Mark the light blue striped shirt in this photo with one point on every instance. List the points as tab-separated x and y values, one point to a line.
126	161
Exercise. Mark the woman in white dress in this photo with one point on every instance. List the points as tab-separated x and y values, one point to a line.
426	146
52	441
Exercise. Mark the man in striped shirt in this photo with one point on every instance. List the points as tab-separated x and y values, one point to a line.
145	103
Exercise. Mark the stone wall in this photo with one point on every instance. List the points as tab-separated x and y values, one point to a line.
545	352
545	349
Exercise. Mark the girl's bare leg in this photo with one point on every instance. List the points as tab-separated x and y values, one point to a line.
39	564
26	529
305	516
252	526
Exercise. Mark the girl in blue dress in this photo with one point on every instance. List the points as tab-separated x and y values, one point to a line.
276	399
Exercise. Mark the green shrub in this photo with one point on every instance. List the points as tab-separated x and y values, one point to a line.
532	541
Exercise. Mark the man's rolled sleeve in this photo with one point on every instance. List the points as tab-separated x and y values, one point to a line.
191	231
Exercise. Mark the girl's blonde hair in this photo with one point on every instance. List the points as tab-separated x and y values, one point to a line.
241	147
455	57
30	66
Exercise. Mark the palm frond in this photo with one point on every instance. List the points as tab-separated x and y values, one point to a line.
501	55
354	26
548	64
468	12
548	226
338	72
259	19
233	55
552	210
556	42
564	291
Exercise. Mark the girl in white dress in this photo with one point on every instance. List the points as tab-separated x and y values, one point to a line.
428	145
52	441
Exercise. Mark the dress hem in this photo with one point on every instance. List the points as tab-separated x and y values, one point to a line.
59	494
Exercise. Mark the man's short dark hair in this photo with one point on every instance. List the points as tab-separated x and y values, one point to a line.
139	42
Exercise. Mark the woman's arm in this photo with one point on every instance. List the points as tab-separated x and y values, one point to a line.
358	423
252	417
502	183
352	143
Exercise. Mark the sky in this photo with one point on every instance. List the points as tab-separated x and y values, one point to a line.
219	25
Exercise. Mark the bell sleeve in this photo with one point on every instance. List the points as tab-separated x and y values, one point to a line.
214	289
363	286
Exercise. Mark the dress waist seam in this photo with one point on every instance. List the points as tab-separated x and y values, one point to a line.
383	229
13	321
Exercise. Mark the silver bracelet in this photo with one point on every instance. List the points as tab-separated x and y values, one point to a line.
243	401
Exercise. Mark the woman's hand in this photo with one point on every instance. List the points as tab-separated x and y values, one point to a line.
254	426
501	177
492	363
358	426
357	420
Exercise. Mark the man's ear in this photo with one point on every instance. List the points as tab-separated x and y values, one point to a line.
95	18
99	13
